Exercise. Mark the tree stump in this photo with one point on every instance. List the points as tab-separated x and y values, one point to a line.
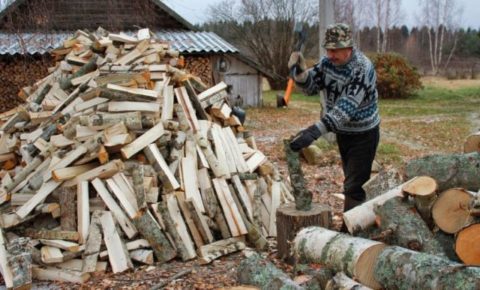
400	268
451	210
467	245
290	221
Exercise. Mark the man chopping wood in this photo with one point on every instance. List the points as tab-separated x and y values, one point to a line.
348	80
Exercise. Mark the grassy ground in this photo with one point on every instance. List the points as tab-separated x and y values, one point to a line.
437	119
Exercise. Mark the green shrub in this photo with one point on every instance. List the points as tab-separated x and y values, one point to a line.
396	78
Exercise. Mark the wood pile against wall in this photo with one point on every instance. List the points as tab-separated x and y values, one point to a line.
200	67
119	158
17	72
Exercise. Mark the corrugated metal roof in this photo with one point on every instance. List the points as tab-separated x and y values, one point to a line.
183	41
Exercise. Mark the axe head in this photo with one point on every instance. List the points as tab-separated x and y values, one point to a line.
300	35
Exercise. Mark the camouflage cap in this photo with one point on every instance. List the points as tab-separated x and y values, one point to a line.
338	36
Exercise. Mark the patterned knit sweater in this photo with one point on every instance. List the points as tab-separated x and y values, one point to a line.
350	94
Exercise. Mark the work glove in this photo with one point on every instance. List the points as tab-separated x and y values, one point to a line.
305	137
297	67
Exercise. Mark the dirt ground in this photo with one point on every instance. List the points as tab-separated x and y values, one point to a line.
270	126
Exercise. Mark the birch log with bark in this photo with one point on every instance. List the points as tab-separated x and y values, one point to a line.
454	170
400	268
340	252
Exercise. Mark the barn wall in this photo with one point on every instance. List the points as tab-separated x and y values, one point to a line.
244	79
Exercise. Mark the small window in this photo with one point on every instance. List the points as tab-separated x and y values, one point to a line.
223	64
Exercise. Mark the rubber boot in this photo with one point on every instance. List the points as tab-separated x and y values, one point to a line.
348	205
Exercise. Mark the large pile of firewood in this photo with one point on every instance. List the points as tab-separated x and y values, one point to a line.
119	158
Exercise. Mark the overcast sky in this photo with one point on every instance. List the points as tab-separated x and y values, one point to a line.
195	11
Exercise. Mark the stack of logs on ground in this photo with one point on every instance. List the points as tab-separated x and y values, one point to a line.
119	158
420	234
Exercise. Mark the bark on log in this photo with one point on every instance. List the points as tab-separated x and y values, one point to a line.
342	282
20	262
68	209
455	170
451	210
340	252
423	189
472	143
467	245
409	230
303	197
399	268
290	221
151	231
447	241
261	273
382	182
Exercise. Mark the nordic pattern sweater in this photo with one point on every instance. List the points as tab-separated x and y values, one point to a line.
350	93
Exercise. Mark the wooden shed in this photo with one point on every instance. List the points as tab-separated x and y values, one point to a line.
29	29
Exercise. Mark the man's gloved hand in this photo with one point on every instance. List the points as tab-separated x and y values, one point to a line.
297	67
305	137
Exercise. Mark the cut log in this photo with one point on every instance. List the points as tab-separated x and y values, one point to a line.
68	206
451	210
399	268
126	225
4	266
408	228
51	255
361	217
160	165
232	215
290	221
472	143
343	282
20	262
55	274
454	170
83	211
215	250
142	256
117	252
381	182
258	272
466	245
423	189
104	171
93	244
143	141
303	197
42	193
151	231
188	215
52	235
354	256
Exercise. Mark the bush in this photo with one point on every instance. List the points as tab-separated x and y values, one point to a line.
396	78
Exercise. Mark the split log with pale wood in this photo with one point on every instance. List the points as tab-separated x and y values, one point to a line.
118	144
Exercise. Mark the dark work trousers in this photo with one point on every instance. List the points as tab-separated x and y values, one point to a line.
357	152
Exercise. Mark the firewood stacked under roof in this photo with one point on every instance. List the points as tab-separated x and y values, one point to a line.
119	158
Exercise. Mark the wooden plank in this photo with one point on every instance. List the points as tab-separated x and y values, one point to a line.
187	107
257	159
212	91
222	149
117	252
104	171
215	250
180	226
276	193
143	141
122	198
243	196
55	274
51	255
83	211
90	104
133	245
167	106
126	225
189	173
124	184
242	166
151	94
51	234
133	106
93	243
200	222
197	238
62	245
66	173
160	165
42	193
60	141
232	215
77	265
68	217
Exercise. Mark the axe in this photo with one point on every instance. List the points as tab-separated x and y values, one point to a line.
300	35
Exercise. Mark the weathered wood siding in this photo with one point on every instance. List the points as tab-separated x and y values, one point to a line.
245	80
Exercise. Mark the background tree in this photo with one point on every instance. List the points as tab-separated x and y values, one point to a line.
264	28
